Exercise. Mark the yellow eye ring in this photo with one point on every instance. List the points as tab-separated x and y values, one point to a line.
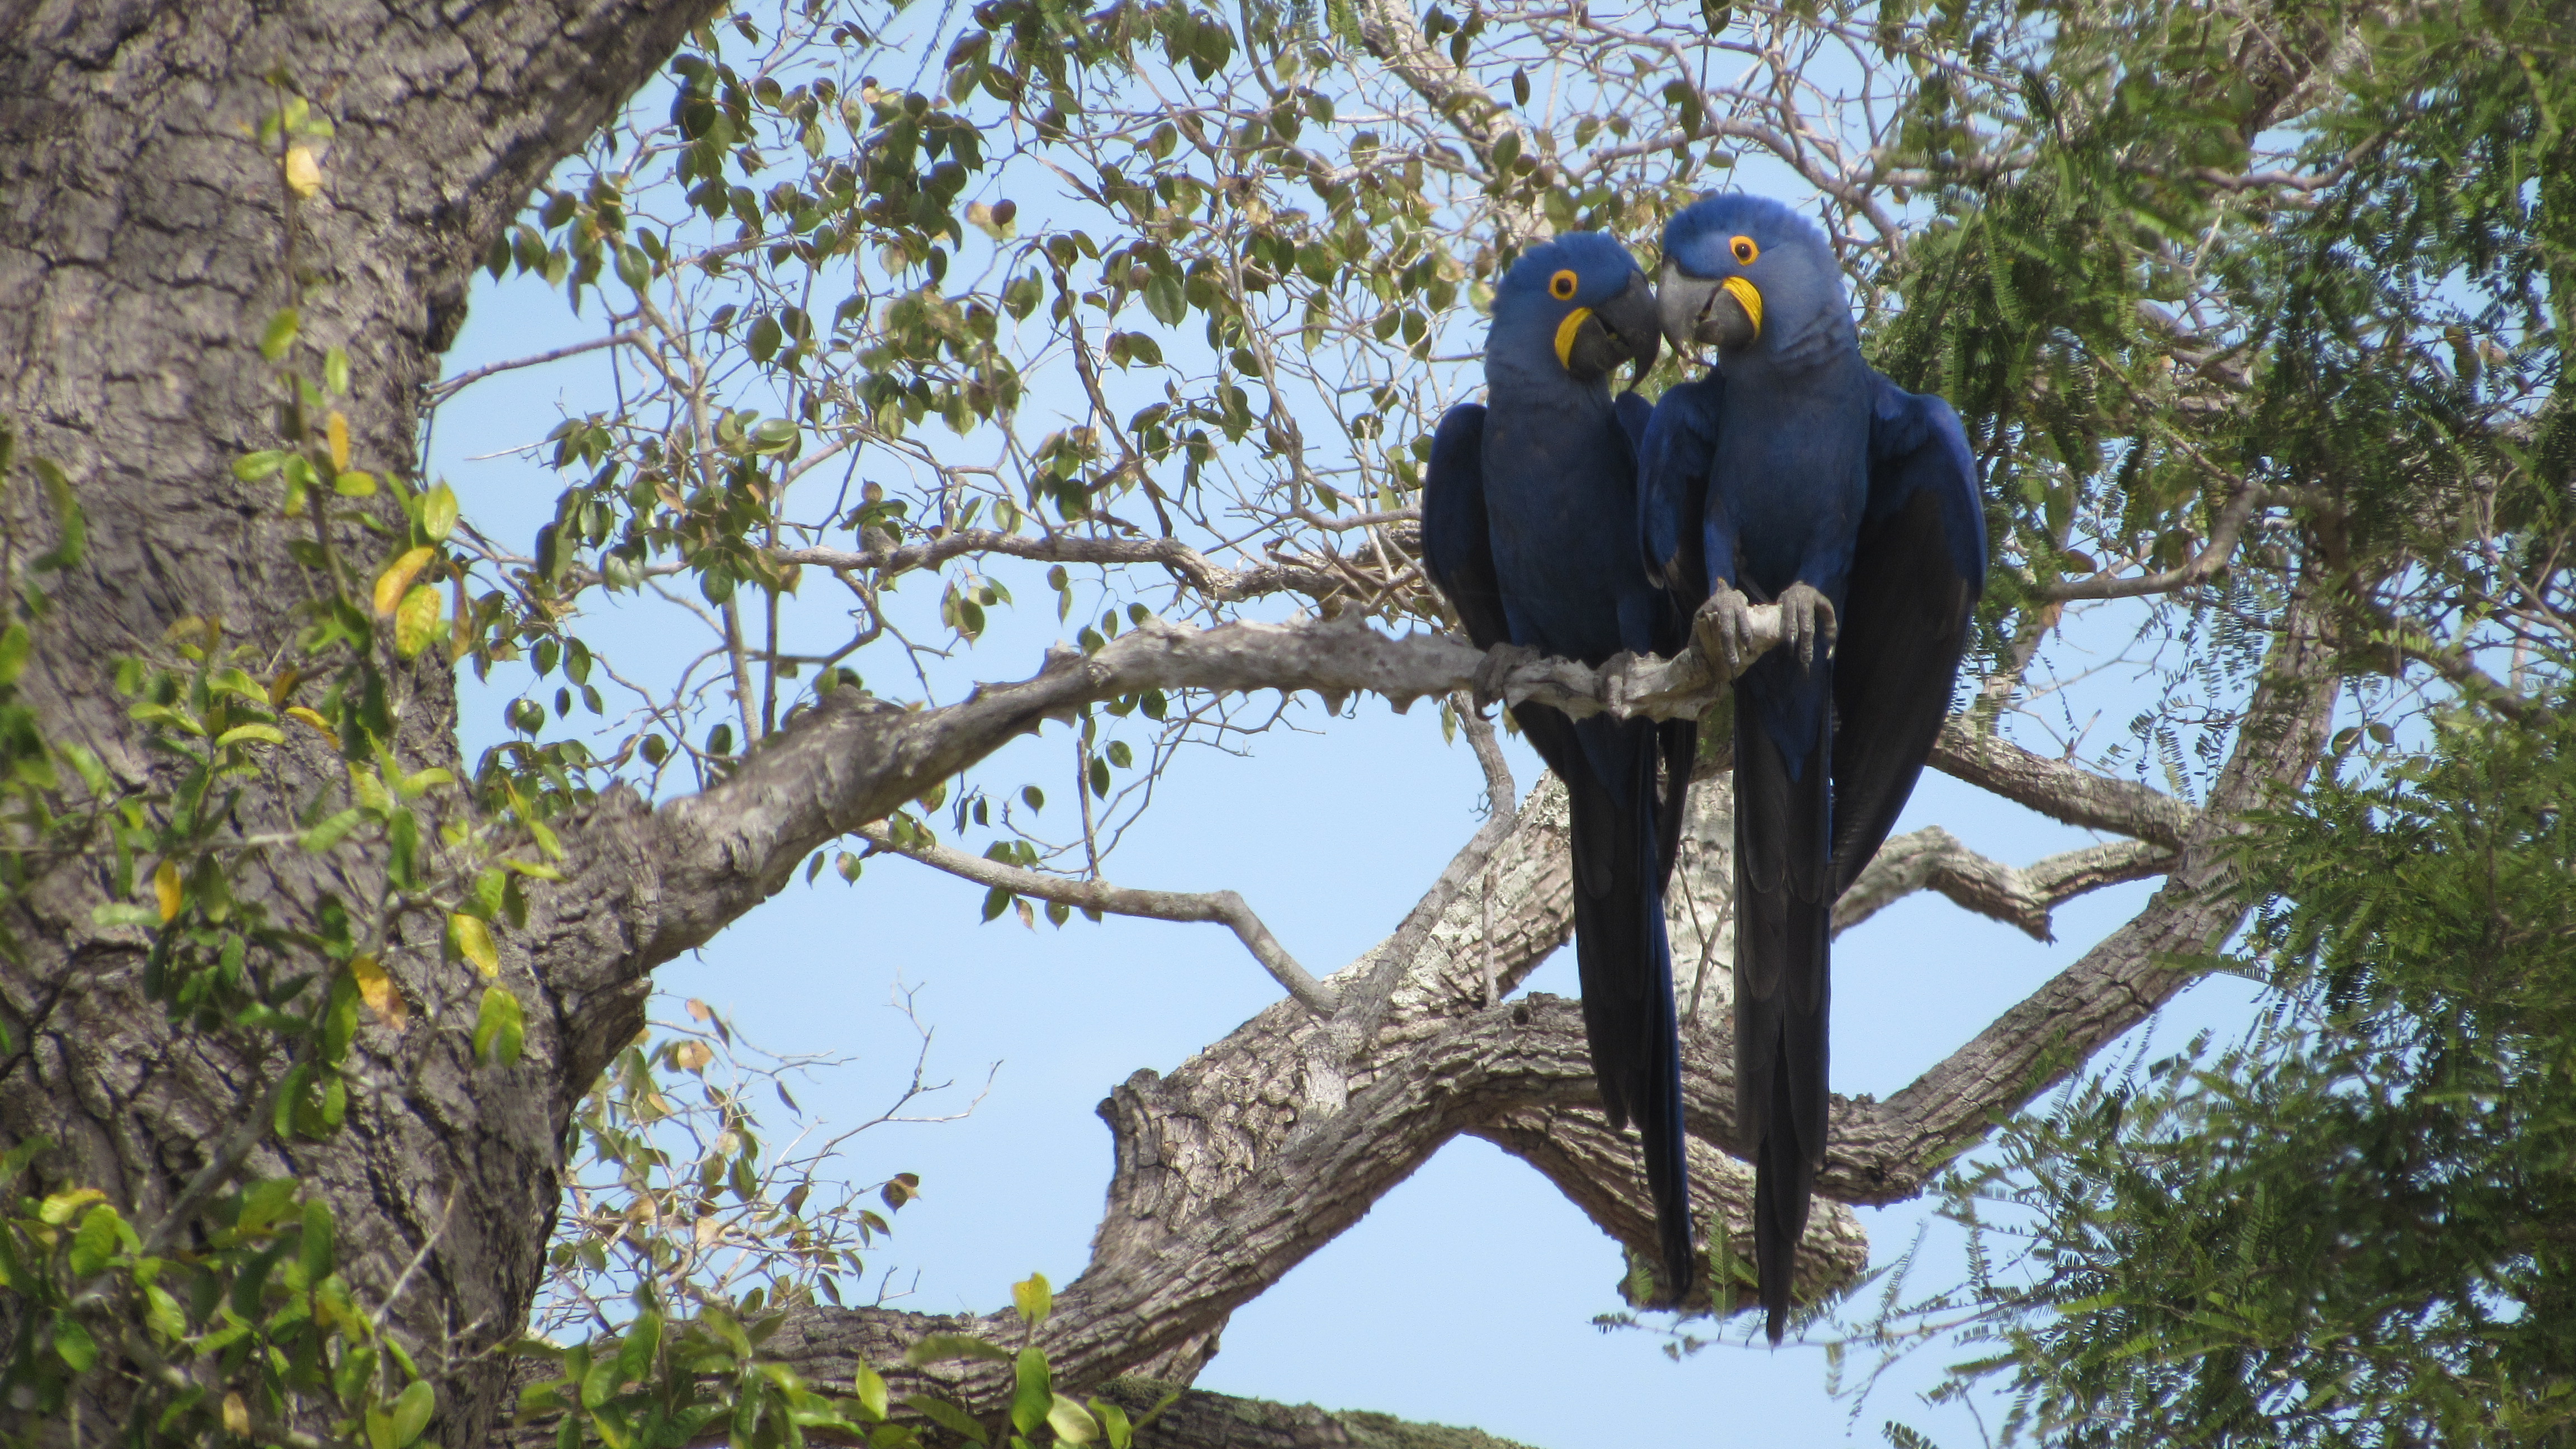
1561	286
1745	250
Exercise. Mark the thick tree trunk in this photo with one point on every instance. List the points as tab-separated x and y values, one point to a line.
143	242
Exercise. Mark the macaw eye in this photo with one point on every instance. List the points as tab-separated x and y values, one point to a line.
1561	286
1745	251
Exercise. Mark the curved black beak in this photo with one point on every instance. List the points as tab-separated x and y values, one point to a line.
1626	328
1699	312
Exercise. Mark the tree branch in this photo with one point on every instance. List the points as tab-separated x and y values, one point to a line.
1933	859
2197	569
441	391
1218	584
2059	790
851	759
1223	907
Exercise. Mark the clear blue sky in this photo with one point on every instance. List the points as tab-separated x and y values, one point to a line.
1466	1297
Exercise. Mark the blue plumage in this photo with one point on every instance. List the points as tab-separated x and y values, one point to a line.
1529	528
1796	474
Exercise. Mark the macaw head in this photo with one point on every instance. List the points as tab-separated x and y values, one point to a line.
1743	271
1583	298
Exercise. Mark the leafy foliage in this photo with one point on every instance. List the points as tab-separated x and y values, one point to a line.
2345	1230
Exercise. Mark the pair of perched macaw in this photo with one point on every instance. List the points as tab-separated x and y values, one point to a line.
1559	520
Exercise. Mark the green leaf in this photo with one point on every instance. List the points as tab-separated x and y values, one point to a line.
15	645
86	764
637	1350
600	1384
279	335
872	1392
95	1243
315	1246
1164	298
438	513
1033	1390
1072	1422
251	467
1113	1419
76	1346
499	1029
1033	1298
332	830
71	526
163	1315
265	734
947	1416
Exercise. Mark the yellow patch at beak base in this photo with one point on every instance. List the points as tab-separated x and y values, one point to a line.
1565	332
1747	296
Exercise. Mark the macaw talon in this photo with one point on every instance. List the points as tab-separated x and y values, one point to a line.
1614	682
1723	629
1498	664
1806	620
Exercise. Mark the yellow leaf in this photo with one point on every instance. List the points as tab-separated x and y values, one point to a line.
336	429
396	579
304	178
379	992
474	943
313	718
284	685
165	889
236	1415
416	621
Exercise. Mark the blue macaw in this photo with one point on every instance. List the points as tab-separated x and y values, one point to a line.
1528	525
1795	474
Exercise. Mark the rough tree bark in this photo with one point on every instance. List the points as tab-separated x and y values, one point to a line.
141	245
141	249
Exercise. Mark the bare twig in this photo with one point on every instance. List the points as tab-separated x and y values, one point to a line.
441	391
1222	907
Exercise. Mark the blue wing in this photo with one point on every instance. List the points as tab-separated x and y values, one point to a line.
1917	573
1634	412
1673	457
1457	549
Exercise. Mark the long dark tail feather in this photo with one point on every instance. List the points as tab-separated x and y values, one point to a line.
1659	1128
1626	967
1677	743
1784	920
1784	1183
